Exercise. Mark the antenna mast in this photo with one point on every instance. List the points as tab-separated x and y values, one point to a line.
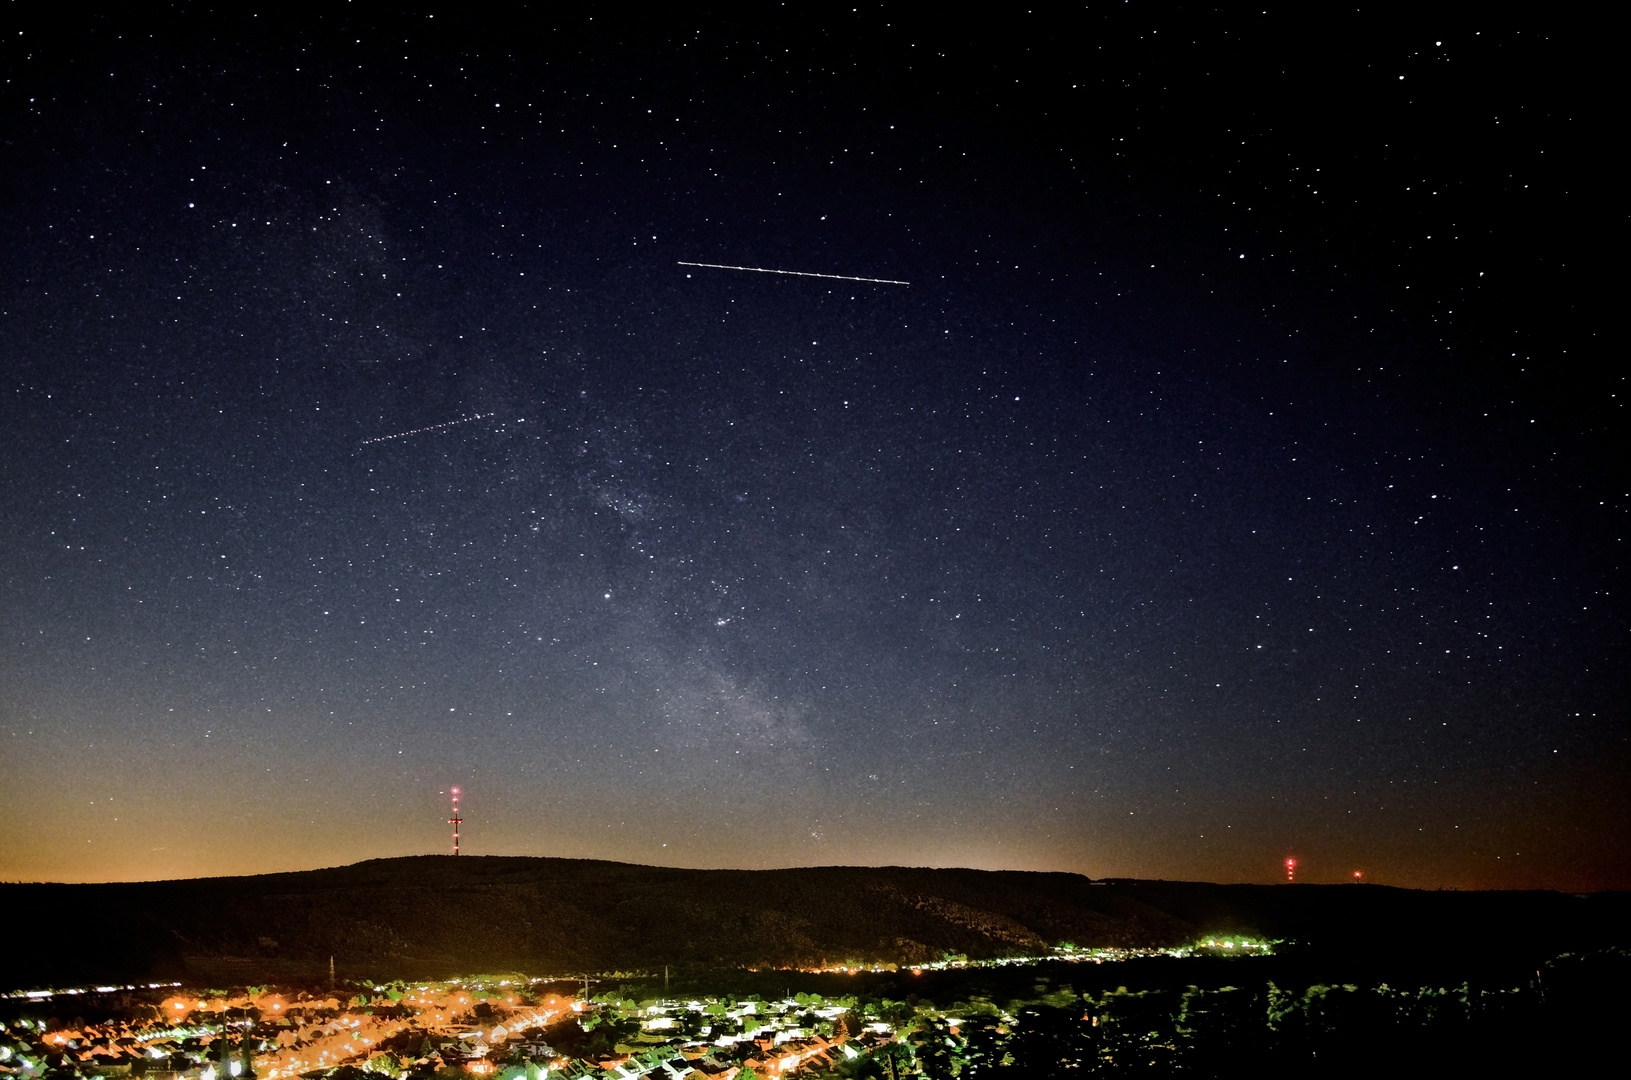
455	820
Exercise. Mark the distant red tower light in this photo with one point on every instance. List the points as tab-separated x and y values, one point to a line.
1291	869
455	820
1358	874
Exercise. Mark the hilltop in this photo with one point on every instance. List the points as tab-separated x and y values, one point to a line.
426	916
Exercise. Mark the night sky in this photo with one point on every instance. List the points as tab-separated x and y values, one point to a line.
1235	479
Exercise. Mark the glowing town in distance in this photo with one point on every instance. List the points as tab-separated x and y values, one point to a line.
491	1026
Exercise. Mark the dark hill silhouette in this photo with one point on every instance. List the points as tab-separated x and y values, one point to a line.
436	915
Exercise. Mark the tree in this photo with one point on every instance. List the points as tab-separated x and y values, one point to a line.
1045	1039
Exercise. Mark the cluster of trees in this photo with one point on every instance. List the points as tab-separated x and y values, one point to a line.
1564	1014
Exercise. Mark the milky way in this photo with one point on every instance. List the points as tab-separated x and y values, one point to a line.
1233	483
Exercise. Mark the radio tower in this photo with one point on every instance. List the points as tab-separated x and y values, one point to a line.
455	820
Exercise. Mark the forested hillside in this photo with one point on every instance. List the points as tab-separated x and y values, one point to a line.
436	915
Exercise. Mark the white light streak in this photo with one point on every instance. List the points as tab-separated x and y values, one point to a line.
796	273
422	430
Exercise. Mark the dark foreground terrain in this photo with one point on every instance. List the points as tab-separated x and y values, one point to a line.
1195	1016
435	916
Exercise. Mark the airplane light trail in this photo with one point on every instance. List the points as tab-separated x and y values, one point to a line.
422	430
797	273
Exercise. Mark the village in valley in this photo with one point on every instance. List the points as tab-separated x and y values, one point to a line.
502	1029
518	1028
1193	1008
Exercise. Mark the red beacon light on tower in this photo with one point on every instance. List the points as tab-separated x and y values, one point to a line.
455	820
1291	869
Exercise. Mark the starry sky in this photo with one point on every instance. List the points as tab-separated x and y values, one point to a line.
1233	479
